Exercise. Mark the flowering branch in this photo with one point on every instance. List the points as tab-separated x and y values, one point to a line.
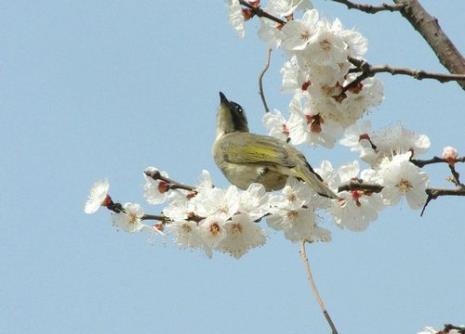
260	80
448	327
311	281
367	70
428	26
422	163
371	9
256	10
166	182
166	220
369	188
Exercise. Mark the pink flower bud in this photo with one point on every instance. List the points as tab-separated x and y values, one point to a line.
449	154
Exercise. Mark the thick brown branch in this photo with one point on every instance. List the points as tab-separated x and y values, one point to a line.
428	26
367	70
261	13
371	9
260	80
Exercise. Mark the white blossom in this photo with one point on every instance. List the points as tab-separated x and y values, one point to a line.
130	219
216	201
287	7
97	196
374	146
310	128
179	207
355	209
428	330
294	77
357	45
400	177
236	18
155	191
270	33
242	234
212	231
254	201
297	33
397	139
293	212
276	125
186	233
326	47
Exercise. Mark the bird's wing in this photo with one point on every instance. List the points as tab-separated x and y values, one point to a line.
247	148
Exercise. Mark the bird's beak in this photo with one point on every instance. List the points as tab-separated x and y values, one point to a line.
223	99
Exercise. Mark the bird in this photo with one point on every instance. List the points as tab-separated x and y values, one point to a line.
246	158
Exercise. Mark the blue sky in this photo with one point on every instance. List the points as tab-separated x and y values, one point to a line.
94	89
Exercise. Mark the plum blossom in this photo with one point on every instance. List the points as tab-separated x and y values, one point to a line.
212	231
129	220
399	177
374	146
242	234
186	233
276	125
293	212
236	18
297	33
155	191
357	208
97	197
310	128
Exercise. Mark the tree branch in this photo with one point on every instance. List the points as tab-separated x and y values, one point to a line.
156	175
311	281
434	160
367	70
260	80
428	26
256	10
448	327
371	9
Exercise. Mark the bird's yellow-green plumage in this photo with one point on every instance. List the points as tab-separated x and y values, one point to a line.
246	158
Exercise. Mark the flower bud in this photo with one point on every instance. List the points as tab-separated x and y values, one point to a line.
449	154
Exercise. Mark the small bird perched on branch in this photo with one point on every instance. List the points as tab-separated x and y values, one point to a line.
246	158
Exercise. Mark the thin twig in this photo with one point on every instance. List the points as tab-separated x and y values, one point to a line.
156	175
261	13
455	176
371	9
434	160
161	218
260	79
311	281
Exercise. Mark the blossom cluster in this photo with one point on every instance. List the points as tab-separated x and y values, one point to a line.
214	219
210	218
317	72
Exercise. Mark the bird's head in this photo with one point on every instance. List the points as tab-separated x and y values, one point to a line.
230	117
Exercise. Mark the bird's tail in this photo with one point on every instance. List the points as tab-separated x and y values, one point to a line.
313	180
